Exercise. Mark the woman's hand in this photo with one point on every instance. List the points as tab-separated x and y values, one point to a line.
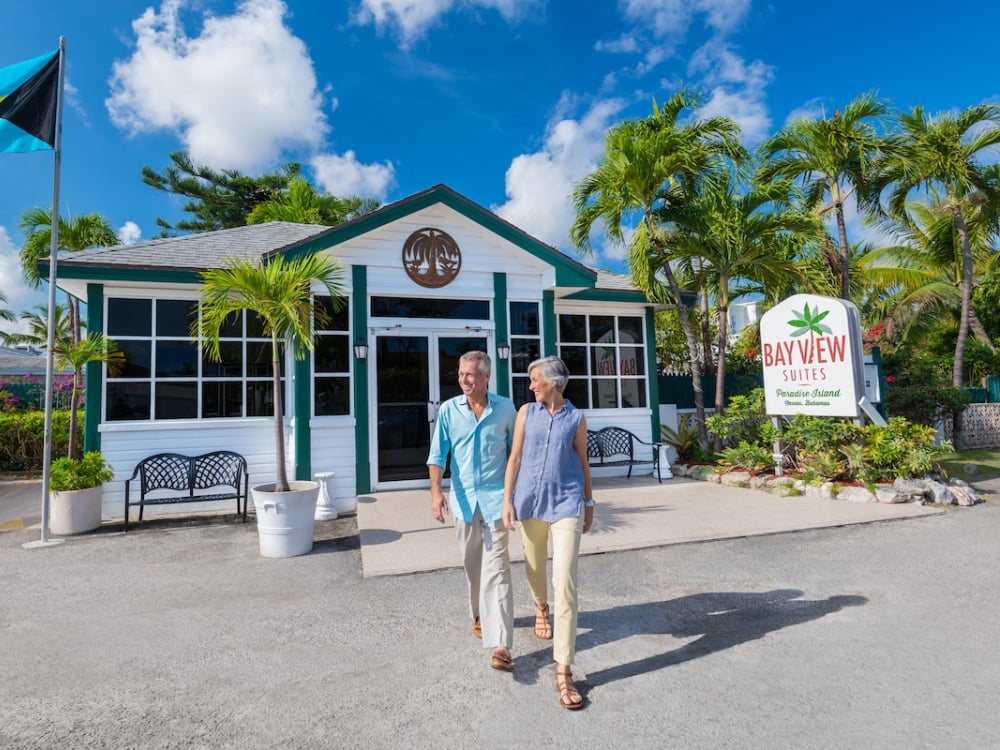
588	518
509	516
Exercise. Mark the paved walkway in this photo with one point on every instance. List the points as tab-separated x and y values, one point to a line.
179	635
398	534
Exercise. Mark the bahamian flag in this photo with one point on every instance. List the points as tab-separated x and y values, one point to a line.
28	98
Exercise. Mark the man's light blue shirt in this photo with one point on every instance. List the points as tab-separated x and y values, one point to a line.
479	451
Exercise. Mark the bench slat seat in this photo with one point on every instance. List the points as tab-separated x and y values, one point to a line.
616	446
189	474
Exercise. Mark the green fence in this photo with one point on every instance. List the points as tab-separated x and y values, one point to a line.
677	389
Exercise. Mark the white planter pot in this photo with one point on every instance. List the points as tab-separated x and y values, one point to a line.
285	520
75	511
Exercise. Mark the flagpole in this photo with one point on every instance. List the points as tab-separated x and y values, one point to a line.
53	252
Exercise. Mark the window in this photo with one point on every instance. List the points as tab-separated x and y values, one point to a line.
525	347
166	375
332	361
605	355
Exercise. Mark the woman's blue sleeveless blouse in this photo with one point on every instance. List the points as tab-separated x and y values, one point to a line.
549	485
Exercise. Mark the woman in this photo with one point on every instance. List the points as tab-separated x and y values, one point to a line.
547	488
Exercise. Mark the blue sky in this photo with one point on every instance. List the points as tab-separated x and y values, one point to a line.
506	101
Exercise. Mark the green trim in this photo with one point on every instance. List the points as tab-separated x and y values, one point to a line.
359	319
301	434
501	313
549	323
110	273
606	295
93	373
652	373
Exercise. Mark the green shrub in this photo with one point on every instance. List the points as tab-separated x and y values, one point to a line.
684	439
79	473
745	420
22	436
747	456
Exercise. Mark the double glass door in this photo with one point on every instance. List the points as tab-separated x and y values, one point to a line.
414	374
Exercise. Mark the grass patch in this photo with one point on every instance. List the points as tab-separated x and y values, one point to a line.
986	461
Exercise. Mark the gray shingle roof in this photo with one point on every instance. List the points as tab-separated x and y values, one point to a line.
615	281
197	251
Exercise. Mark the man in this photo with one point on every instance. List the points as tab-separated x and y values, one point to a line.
477	428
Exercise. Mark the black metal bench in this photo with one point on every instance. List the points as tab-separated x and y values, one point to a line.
616	446
188	474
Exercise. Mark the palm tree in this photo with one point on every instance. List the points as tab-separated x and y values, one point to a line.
37	334
5	314
80	233
301	203
833	158
730	244
921	276
279	292
642	175
944	153
94	347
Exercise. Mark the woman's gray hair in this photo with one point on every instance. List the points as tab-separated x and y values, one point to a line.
553	369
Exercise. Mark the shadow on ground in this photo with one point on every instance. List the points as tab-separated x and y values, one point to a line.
716	621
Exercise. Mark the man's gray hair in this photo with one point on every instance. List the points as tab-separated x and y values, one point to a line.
482	360
553	369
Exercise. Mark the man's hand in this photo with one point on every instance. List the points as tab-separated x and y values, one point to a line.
438	506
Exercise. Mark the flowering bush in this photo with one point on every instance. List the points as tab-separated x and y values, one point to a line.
27	392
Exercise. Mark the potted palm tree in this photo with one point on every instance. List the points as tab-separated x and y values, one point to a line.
279	291
76	484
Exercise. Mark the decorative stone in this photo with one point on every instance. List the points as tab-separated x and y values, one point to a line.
735	479
964	494
706	473
889	494
855	495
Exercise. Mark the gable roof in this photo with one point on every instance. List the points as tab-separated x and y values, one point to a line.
181	259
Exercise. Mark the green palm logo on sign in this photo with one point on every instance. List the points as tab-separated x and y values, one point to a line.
809	322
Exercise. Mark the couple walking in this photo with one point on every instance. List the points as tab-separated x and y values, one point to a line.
509	466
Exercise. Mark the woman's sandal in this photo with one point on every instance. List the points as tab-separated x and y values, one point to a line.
543	628
569	696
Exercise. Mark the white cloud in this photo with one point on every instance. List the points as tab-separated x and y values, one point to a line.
411	19
344	175
736	89
669	18
129	232
539	185
237	95
659	26
20	297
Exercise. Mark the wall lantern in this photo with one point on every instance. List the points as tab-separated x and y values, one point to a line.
361	349
503	352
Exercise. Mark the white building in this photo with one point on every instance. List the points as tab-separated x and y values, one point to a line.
429	277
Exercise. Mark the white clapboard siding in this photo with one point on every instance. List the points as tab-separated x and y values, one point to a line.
333	450
124	445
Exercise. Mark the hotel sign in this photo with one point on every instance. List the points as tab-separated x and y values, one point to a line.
813	357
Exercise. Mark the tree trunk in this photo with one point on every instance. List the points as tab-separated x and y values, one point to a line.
976	325
957	375
696	363
281	474
845	252
720	370
72	449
